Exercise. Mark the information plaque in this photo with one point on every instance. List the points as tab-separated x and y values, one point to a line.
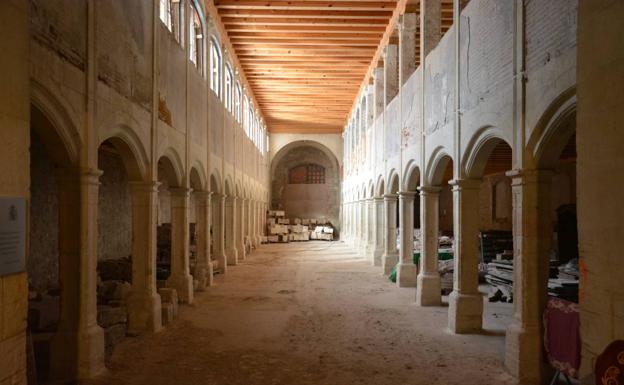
12	235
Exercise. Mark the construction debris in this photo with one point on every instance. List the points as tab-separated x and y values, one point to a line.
281	230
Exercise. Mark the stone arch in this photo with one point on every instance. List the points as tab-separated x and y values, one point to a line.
312	199
228	188
393	183
201	175
479	149
370	190
553	130
215	182
196	181
438	162
380	186
54	125
411	176
172	166
238	190
131	152
302	143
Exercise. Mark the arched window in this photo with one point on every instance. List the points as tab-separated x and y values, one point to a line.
237	103
307	174
215	66
252	119
196	39
165	13
228	87
172	15
246	115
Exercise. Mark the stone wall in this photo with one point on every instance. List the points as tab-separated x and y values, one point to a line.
43	256
114	208
14	178
306	200
600	119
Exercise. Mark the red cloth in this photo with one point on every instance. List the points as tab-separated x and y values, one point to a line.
610	365
562	339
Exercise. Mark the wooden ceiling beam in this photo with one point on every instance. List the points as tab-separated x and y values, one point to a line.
315	5
337	28
285	21
314	14
302	42
251	36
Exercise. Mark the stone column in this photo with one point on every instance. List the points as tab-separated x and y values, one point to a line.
240	228
391	76
406	269
256	210
230	231
407	46
378	94
203	266
144	306
378	248
430	26
348	222
390	257
428	289
532	235
180	278
218	232
78	345
465	302
362	233
370	229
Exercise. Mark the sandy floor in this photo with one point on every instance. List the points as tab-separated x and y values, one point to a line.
311	313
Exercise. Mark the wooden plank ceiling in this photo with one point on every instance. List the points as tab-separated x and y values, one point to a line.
306	60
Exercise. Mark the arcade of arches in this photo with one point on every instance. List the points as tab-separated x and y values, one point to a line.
466	153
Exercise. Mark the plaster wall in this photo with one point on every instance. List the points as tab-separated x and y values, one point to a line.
600	161
14	178
43	258
114	209
306	200
332	141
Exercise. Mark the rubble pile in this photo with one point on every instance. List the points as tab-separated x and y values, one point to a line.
500	276
281	230
566	285
113	289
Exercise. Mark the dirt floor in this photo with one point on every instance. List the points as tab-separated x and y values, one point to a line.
311	313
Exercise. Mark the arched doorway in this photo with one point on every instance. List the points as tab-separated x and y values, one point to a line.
305	182
173	229
199	230
390	257
435	278
217	228
409	220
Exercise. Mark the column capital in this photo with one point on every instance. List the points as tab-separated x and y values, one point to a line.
407	194
524	176
139	187
180	191
465	184
429	190
202	194
390	197
86	175
390	50
378	199
408	22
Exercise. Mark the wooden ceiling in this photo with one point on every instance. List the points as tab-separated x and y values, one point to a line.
307	60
